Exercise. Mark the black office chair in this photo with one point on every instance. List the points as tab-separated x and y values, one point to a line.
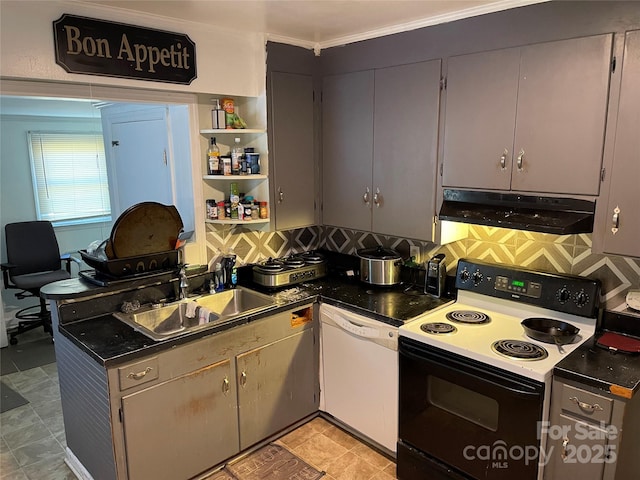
33	261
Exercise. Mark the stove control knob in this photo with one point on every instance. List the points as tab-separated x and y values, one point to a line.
477	277
581	298
465	275
563	295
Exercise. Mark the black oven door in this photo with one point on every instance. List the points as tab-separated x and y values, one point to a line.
465	418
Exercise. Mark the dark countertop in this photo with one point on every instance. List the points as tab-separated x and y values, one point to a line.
613	372
110	341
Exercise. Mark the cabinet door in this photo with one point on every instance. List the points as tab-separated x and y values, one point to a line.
624	193
405	149
347	157
480	116
292	150
577	450
562	104
181	427
276	386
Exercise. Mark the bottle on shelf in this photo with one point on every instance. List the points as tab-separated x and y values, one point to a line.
234	198
237	153
218	116
213	158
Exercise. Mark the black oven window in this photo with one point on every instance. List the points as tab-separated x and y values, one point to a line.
464	403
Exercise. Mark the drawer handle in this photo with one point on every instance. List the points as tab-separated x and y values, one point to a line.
139	375
503	159
565	442
586	406
616	220
520	160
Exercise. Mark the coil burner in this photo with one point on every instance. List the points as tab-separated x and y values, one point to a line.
519	350
438	328
468	316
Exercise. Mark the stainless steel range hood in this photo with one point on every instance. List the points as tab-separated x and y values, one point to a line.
556	215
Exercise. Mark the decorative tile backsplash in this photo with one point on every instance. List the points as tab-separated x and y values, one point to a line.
540	251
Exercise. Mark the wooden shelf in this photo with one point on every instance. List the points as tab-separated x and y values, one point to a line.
231	131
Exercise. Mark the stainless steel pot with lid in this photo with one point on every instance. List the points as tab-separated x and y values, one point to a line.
379	266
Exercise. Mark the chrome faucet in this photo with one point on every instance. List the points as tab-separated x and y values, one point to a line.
184	283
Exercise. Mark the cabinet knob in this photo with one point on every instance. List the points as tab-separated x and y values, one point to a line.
280	195
365	197
503	159
615	220
520	160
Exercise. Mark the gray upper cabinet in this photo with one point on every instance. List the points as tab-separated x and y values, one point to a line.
529	119
292	151
347	149
405	149
380	132
622	223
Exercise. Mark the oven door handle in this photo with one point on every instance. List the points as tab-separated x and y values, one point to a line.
513	385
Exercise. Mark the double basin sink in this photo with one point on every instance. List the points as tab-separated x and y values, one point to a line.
198	313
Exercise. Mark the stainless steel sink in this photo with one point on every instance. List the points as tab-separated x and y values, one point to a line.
204	312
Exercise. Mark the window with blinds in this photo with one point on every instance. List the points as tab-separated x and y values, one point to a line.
69	177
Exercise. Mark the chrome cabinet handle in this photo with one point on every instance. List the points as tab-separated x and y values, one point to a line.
503	159
520	160
280	195
139	375
243	379
225	385
365	197
586	406
377	198
565	443
616	220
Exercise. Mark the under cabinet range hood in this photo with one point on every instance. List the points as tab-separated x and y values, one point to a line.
560	216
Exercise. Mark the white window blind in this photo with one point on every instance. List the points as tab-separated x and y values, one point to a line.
69	176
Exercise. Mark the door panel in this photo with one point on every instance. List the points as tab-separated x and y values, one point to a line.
480	117
179	428
562	103
292	133
347	130
405	148
275	386
625	180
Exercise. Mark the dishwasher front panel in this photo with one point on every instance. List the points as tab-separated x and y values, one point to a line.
360	374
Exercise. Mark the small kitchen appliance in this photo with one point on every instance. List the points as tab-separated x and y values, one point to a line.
380	266
472	379
436	276
285	271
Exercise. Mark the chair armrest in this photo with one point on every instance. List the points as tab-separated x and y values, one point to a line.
68	258
5	273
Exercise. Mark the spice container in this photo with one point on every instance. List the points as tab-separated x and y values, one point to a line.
212	209
221	212
264	210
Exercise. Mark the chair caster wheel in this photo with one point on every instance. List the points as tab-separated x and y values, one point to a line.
13	341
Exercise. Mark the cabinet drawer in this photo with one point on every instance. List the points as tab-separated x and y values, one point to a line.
138	373
586	404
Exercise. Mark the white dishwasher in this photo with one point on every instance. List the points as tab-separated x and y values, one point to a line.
359	374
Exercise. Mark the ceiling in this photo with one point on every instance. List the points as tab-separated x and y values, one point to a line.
316	24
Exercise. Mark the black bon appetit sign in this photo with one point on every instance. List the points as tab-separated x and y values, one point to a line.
98	47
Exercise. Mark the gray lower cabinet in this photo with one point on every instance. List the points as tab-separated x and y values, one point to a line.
291	149
181	427
592	434
187	409
276	386
528	119
620	225
380	137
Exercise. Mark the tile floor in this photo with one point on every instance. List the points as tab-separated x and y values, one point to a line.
32	438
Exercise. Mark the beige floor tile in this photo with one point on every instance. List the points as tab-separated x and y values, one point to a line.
383	476
370	455
319	451
391	470
341	437
298	436
351	467
319	424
